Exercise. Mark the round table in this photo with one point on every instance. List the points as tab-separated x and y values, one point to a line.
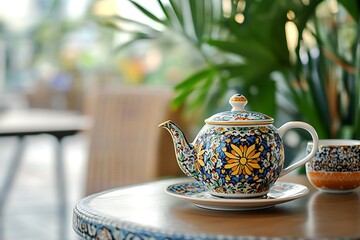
146	211
32	121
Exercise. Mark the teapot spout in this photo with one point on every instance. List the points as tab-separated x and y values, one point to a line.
184	151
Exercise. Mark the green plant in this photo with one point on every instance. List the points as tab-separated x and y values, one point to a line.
245	48
324	86
231	59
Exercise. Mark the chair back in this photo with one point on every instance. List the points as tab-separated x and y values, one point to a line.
126	146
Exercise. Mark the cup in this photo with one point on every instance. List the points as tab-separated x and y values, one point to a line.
335	168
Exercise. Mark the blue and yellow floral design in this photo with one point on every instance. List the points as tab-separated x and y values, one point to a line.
237	160
242	159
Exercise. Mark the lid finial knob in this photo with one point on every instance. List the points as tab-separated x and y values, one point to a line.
238	103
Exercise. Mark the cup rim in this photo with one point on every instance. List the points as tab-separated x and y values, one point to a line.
336	142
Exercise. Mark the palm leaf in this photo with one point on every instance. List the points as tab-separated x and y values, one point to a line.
124	20
136	37
194	79
197	9
175	6
192	83
148	13
245	48
352	7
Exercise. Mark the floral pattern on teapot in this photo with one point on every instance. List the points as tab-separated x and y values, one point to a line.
246	159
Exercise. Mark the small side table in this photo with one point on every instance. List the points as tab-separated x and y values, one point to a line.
147	212
26	122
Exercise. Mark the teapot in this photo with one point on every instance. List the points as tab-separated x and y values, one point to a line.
237	153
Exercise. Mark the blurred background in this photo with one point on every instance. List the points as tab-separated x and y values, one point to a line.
128	65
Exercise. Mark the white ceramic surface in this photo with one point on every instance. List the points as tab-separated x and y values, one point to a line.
195	192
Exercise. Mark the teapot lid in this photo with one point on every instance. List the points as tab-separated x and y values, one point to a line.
238	115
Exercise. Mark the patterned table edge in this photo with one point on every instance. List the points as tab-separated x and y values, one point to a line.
90	226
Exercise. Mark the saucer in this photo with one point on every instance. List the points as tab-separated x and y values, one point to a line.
196	193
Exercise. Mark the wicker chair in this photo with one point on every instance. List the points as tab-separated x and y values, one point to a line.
126	146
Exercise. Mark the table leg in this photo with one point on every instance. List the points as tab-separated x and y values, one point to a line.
61	188
9	179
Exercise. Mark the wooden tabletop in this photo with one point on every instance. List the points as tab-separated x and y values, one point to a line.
29	121
148	211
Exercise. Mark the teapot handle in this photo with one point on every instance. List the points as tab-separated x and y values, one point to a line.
311	130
